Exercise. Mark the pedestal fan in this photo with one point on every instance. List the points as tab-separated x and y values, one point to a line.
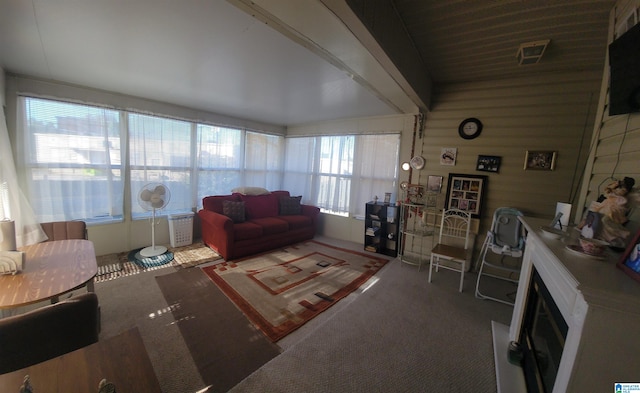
151	197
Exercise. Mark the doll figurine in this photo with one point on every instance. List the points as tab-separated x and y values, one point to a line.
613	208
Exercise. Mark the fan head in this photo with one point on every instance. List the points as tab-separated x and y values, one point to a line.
154	196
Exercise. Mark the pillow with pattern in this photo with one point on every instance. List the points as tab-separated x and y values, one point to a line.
233	210
290	206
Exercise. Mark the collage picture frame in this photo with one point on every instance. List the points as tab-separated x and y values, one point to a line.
466	192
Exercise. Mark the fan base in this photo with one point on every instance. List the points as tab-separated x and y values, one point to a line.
153	251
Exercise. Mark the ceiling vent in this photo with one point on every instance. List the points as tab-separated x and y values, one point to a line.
531	52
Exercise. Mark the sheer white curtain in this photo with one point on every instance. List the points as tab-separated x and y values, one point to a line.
375	169
299	167
340	174
160	152
335	171
264	156
13	204
70	160
219	160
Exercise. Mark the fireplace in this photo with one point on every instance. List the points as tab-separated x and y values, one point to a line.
576	320
542	337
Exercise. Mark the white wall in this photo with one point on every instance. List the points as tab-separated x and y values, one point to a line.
2	88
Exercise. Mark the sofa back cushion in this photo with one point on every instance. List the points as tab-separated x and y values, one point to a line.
280	193
214	203
260	206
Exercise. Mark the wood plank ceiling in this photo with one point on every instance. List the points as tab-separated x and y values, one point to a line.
478	40
458	40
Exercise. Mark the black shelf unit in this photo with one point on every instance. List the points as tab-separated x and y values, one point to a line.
381	228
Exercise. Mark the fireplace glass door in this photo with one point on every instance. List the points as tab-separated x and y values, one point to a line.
542	338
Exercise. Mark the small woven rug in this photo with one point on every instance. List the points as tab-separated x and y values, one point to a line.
149	262
279	291
113	266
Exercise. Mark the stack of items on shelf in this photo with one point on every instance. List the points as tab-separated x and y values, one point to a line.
372	231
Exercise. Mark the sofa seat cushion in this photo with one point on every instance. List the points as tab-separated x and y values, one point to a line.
260	206
298	221
271	225
246	230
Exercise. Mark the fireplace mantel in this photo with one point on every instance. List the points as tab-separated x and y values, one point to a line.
600	304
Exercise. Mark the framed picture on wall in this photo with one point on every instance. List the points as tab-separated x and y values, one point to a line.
488	163
434	183
630	260
448	155
466	192
540	160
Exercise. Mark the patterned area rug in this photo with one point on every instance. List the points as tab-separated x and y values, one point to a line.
113	266
281	290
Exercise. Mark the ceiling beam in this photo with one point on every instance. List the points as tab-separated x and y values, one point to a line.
379	27
317	27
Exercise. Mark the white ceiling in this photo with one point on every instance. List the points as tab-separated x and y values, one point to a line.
287	62
207	55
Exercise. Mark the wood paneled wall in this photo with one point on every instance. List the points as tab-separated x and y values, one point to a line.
616	139
544	112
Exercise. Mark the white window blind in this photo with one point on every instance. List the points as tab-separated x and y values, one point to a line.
71	160
263	160
73	165
340	174
219	160
160	152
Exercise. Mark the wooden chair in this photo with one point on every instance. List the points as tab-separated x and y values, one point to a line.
48	332
63	230
453	243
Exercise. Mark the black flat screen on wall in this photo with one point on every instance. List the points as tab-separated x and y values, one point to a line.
624	62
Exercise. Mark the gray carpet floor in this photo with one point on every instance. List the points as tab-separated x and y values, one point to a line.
401	335
397	334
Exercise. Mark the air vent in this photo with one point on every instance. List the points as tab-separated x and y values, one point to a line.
531	52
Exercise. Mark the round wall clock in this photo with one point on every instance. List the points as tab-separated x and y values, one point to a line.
470	128
417	162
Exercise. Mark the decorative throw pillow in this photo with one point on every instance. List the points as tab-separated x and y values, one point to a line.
250	190
233	210
290	206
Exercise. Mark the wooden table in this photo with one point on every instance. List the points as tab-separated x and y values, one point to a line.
121	360
51	269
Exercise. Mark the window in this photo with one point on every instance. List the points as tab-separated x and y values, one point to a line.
160	152
340	174
219	160
71	160
263	160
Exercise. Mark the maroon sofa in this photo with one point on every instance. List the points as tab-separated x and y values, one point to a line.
238	225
